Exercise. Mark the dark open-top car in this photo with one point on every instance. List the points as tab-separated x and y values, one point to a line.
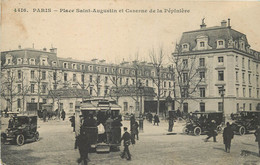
198	122
246	121
21	128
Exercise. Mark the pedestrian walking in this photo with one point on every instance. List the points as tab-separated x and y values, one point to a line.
212	131
134	131
228	135
156	119
127	141
72	120
44	115
171	123
82	143
63	114
257	139
132	121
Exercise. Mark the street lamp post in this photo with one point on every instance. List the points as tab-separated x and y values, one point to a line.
141	125
222	92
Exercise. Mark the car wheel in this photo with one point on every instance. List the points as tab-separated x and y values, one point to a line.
197	131
219	129
185	130
36	136
242	130
20	140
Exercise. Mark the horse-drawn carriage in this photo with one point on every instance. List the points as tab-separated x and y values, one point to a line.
93	112
199	122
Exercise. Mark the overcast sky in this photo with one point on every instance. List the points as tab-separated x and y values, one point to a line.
118	36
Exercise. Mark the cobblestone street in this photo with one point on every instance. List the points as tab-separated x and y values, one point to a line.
56	146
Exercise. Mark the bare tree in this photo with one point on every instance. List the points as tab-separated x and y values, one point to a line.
157	59
186	75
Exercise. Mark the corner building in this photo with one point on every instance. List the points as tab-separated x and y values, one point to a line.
223	59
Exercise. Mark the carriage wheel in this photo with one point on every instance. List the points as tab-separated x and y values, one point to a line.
219	129
185	130
197	131
242	130
20	140
36	136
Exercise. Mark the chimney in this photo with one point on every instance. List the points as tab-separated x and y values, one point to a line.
224	23
44	49
203	25
19	47
229	23
53	50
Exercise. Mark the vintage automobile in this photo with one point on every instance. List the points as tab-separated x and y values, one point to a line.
198	122
92	112
21	128
247	121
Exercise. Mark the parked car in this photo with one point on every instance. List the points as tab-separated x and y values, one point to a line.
247	121
198	122
21	128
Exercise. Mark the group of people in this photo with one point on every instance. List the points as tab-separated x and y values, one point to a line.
50	114
228	135
155	119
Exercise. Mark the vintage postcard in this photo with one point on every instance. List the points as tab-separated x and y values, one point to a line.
130	82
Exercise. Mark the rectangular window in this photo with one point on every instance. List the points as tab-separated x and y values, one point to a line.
220	106
98	91
65	77
170	84
202	107
244	106
133	81
249	78
147	83
243	77
185	77
18	103
257	93
120	81
19	74
237	107
202	44
185	62
90	91
71	105
202	61
106	80
82	78
32	74
220	42
202	92
202	75
220	59
106	90
32	88
90	78
164	84
106	70
220	75
185	107
54	76
74	77
249	65
236	76
236	60
250	92
243	62
43	75
250	107
127	81
244	92
19	88
125	106
44	88
33	100
98	79
237	92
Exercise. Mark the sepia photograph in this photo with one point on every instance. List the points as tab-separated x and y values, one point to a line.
130	82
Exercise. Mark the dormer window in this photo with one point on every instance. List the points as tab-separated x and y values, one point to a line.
8	60
74	66
220	44
65	65
44	61
19	61
32	61
90	67
185	46
202	44
82	67
54	63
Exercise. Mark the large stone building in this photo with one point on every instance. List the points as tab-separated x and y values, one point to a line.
28	75
222	58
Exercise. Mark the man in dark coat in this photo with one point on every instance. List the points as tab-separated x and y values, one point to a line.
156	119
212	131
228	135
134	130
127	141
257	136
83	144
63	114
132	121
